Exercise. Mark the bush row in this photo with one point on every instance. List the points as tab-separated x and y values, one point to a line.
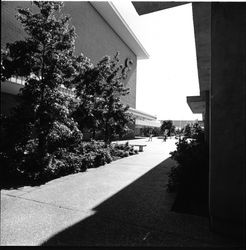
190	175
29	170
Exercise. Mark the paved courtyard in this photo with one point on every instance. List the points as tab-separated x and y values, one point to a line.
123	203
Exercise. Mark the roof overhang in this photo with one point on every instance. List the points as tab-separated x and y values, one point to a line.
202	28
146	7
113	17
197	104
141	114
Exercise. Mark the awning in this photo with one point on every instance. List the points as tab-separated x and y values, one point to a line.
196	104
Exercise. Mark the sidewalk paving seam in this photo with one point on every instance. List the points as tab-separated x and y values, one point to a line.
51	204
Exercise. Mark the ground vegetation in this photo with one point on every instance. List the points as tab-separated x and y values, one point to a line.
189	178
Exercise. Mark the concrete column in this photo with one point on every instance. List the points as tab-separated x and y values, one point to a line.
206	114
227	124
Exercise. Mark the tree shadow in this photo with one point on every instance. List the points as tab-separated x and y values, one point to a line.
126	218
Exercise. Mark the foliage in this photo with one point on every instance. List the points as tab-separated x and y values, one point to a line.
156	131
95	153
99	91
46	59
123	146
61	163
192	130
191	173
168	125
178	132
187	130
41	138
122	150
145	131
129	134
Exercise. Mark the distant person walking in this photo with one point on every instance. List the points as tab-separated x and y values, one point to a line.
164	137
165	134
150	137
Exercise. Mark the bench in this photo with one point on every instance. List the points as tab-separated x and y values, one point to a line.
140	146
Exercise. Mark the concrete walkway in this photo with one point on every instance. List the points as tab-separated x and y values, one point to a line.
123	203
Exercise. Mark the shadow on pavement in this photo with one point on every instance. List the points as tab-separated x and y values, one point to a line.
126	218
140	215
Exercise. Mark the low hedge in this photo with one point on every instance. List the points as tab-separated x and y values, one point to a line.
25	167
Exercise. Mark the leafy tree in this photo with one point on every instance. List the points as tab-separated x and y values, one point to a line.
100	107
46	59
187	130
167	125
193	131
147	130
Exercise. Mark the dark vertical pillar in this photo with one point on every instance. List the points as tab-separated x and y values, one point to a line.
206	114
228	126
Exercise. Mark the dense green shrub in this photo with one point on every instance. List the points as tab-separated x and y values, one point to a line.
133	151
23	162
88	159
102	157
191	173
20	163
87	155
122	150
61	164
123	146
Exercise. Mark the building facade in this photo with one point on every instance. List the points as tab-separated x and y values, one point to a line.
101	31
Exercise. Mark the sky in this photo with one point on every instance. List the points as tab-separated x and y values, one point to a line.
170	74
